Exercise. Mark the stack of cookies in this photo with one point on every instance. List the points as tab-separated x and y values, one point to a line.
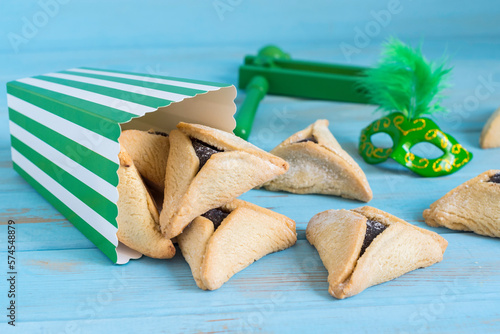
193	176
182	187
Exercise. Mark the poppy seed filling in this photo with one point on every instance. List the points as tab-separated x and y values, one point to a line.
307	139
159	133
495	178
373	228
203	151
216	216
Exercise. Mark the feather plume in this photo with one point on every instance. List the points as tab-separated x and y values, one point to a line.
405	81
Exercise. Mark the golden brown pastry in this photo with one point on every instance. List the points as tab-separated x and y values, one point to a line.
208	168
149	151
366	246
472	206
138	221
226	240
318	164
490	136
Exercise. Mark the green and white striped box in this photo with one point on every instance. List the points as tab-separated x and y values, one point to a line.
65	126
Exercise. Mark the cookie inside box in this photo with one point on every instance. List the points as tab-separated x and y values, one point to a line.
205	109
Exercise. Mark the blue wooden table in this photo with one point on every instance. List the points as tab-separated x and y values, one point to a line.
66	285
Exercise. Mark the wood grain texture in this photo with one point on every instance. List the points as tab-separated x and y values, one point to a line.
80	285
66	285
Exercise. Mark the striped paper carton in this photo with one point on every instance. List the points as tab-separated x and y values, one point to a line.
65	126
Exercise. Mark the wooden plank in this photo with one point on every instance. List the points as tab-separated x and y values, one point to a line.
217	22
43	236
82	285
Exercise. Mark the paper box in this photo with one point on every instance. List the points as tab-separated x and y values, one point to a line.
65	126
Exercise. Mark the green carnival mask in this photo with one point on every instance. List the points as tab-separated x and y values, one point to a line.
405	134
405	81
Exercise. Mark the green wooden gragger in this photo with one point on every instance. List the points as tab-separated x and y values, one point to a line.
273	71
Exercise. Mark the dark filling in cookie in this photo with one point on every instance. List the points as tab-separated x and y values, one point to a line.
308	139
203	151
495	178
373	228
216	216
160	133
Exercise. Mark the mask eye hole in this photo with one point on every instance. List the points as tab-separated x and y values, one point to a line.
427	150
382	140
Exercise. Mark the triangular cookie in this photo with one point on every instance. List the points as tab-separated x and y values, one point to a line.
149	151
366	246
244	233
490	136
207	168
138	221
472	206
319	165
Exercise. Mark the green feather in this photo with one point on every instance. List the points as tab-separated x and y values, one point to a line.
405	81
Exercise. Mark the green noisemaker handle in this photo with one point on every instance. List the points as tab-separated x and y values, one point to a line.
273	71
255	92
